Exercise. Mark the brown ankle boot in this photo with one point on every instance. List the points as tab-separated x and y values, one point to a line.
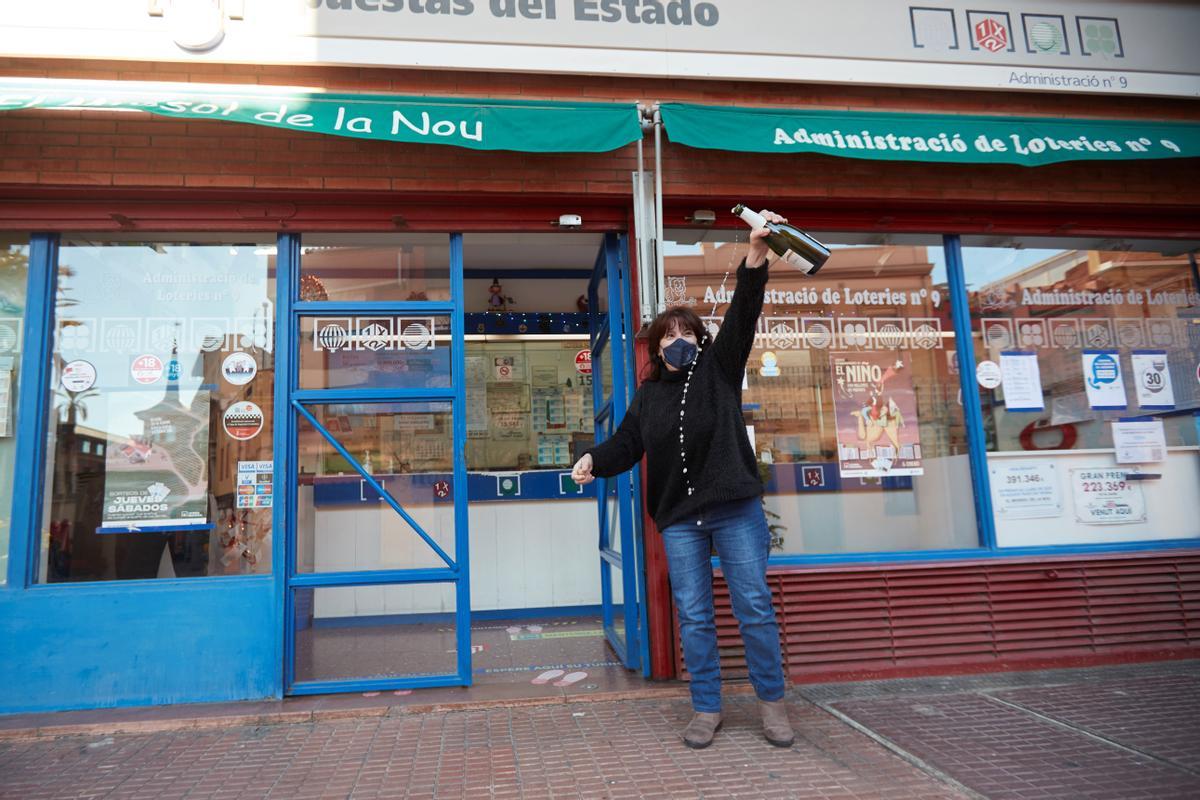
700	731
776	727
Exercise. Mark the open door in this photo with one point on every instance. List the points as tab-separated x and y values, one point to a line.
622	581
376	498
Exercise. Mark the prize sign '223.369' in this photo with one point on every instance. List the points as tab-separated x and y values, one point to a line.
374	334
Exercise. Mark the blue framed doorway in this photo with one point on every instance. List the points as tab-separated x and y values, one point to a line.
360	382
622	573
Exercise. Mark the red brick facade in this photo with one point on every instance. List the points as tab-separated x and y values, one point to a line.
128	153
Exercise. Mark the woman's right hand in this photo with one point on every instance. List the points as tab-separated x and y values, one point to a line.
756	256
581	473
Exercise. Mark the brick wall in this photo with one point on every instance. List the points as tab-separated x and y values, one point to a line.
127	152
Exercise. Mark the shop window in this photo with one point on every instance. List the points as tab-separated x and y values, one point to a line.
408	448
14	271
1088	358
383	267
378	631
528	360
162	387
529	403
851	395
375	351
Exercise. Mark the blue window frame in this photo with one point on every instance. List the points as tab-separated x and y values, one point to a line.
32	410
299	405
980	481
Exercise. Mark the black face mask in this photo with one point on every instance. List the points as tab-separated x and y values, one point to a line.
680	353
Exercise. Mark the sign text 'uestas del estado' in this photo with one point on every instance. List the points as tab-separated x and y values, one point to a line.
638	12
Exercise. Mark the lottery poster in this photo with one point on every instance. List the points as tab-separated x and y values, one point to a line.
876	414
156	464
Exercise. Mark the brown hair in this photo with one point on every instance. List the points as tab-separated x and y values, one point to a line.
680	317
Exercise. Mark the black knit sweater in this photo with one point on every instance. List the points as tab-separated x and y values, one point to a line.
715	450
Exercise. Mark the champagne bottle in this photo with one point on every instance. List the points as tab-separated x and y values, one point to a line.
789	243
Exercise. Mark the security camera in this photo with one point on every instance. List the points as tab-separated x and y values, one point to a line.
569	221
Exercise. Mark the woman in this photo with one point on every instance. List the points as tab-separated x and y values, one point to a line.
704	490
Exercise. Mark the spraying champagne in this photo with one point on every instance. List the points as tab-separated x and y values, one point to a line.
789	243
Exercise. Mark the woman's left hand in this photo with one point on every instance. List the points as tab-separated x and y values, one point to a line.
756	256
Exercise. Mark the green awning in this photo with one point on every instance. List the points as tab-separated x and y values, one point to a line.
937	138
486	124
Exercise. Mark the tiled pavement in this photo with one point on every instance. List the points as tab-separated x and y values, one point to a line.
588	750
1123	733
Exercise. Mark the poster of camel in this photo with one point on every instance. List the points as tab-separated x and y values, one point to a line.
876	414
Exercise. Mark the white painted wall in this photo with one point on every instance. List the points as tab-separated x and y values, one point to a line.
523	555
1172	504
938	512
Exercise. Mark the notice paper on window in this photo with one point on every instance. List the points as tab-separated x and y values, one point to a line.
1152	375
6	396
1021	379
1103	380
1139	441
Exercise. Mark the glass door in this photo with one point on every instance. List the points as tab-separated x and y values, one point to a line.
622	582
377	580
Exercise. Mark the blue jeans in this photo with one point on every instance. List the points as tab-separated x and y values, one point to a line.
739	531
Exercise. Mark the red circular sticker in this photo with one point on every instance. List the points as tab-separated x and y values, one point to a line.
441	489
583	362
243	421
147	369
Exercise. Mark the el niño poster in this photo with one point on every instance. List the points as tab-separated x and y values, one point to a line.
875	410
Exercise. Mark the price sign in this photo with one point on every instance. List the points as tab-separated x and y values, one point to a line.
1103	496
1025	490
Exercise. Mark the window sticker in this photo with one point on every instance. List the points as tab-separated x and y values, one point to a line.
243	421
147	369
255	484
78	376
239	368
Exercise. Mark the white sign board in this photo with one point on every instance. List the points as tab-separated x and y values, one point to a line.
1071	46
1025	490
1103	496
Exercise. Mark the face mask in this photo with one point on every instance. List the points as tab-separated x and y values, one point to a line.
680	353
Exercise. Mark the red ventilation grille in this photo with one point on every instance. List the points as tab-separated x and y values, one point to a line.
889	621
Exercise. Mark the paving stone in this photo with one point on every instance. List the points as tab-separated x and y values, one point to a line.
1156	714
620	749
1124	733
1002	752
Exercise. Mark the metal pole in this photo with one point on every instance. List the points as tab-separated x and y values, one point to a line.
661	282
645	309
